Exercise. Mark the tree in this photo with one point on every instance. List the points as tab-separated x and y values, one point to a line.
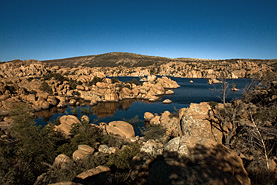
224	85
226	119
249	126
31	148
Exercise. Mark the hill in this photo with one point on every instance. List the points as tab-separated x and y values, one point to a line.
113	59
116	59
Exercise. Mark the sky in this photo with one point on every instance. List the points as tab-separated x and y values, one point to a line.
211	29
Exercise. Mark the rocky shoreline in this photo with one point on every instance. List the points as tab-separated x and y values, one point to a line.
185	133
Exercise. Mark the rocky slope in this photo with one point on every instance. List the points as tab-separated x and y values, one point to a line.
129	64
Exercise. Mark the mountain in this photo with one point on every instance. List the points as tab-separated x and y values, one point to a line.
116	59
113	59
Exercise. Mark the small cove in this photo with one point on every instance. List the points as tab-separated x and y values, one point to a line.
196	92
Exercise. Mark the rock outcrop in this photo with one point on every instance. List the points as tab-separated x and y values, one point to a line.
210	156
120	128
62	161
66	124
83	153
195	122
94	176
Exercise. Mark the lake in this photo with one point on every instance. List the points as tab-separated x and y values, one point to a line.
196	92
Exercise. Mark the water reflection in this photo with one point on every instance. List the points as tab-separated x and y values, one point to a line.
98	111
102	110
112	111
47	114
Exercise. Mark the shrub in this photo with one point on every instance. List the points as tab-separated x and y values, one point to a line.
112	141
76	93
31	149
74	111
82	134
135	81
56	76
213	104
46	88
154	132
30	79
114	80
95	80
72	84
122	158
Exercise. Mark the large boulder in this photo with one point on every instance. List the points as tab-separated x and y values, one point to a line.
152	148
107	150
171	123
62	161
72	102
167	83
164	172
126	93
52	100
66	124
110	95
155	120
167	101
85	119
195	122
31	98
83	153
4	97
62	102
148	116
98	175
214	81
121	128
151	78
211	157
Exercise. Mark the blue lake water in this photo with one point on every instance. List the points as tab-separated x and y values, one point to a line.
196	92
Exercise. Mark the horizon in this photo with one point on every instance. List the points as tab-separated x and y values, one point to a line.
216	30
145	55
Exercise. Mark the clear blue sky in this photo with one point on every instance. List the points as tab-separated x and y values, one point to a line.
217	29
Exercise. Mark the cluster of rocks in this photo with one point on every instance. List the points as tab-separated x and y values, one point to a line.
117	128
179	68
98	175
24	90
208	69
194	153
108	91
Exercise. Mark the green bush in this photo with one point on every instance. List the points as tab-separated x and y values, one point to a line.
122	158
46	88
81	134
112	141
154	132
213	104
24	159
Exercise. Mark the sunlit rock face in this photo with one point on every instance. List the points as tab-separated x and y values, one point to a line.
66	124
